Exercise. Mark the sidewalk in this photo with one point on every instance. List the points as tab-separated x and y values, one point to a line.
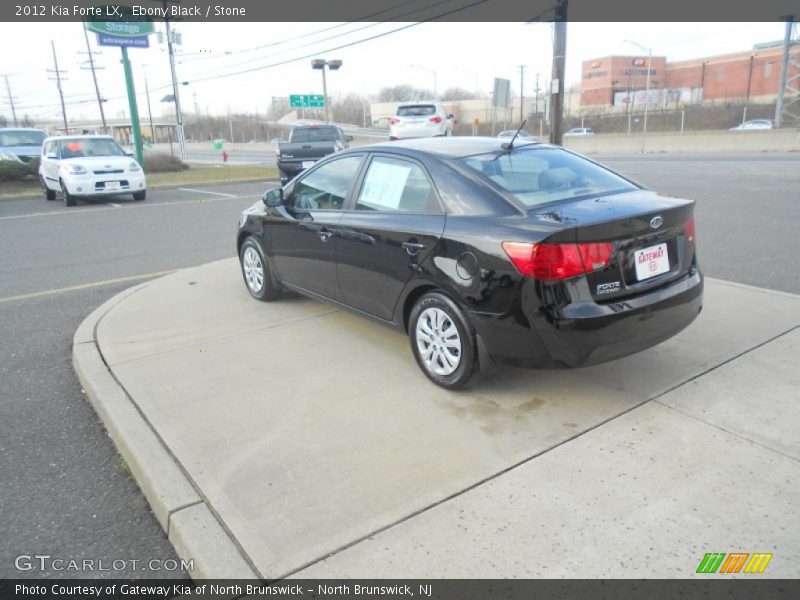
292	438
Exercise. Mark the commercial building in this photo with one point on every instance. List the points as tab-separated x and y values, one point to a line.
618	83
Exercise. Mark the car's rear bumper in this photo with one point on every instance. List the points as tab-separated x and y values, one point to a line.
408	133
585	334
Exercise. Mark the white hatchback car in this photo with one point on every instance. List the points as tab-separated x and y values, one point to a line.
89	166
419	120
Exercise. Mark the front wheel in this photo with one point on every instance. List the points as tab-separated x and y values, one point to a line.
140	195
443	341
256	272
69	199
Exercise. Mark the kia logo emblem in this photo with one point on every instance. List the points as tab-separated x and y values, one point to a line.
656	222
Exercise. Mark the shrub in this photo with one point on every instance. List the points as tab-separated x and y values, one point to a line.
11	170
33	167
163	163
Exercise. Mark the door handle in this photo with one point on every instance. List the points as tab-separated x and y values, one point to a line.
325	235
413	247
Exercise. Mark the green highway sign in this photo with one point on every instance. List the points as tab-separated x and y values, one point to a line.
306	101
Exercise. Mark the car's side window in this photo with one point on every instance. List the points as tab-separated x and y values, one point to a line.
326	187
396	185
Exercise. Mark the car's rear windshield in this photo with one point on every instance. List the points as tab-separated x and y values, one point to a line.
21	138
79	147
315	134
536	175
416	110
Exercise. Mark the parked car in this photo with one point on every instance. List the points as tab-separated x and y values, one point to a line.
523	136
419	120
579	131
307	144
532	256
21	144
755	124
86	166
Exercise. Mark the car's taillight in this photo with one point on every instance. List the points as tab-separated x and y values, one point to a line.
688	230
436	119
557	261
394	121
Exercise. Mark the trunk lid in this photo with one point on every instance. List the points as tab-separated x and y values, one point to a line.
650	245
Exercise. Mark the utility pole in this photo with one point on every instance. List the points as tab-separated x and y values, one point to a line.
784	72
557	84
149	110
94	77
521	94
230	123
536	97
58	83
11	101
178	114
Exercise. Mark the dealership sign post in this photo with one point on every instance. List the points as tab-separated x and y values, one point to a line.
126	34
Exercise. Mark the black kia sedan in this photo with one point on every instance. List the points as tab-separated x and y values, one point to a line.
482	251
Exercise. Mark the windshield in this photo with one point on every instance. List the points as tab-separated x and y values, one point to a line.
21	138
79	147
536	175
315	134
419	110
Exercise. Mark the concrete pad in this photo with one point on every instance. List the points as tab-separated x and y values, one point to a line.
756	397
308	429
645	495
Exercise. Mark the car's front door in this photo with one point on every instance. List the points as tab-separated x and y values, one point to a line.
302	233
394	223
50	163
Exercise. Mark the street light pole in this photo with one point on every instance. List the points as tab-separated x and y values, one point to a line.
334	65
178	113
647	89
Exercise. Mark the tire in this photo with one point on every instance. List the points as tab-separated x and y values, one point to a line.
436	320
69	199
139	196
284	177
255	271
48	193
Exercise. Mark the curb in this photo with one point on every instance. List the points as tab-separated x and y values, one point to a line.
170	186
187	520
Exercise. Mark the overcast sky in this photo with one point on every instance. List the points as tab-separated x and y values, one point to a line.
468	55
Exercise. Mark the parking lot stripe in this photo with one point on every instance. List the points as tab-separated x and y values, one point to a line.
208	192
84	286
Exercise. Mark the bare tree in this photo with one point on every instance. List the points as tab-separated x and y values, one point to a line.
457	93
403	93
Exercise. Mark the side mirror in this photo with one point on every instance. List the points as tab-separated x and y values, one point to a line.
348	138
51	156
273	197
129	153
451	116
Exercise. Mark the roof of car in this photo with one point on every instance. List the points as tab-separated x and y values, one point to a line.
82	136
452	147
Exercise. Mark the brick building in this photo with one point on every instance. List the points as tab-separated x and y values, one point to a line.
618	82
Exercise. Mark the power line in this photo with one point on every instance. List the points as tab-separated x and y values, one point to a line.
340	47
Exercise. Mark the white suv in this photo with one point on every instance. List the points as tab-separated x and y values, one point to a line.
420	119
89	165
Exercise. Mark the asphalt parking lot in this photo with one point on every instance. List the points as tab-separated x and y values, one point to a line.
69	494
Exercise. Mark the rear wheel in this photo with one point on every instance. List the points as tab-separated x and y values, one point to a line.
443	341
256	273
140	195
48	193
69	199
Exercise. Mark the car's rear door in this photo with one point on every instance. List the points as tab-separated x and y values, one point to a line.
302	233
393	224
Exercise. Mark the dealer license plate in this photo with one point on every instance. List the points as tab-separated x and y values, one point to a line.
651	261
112	185
307	164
